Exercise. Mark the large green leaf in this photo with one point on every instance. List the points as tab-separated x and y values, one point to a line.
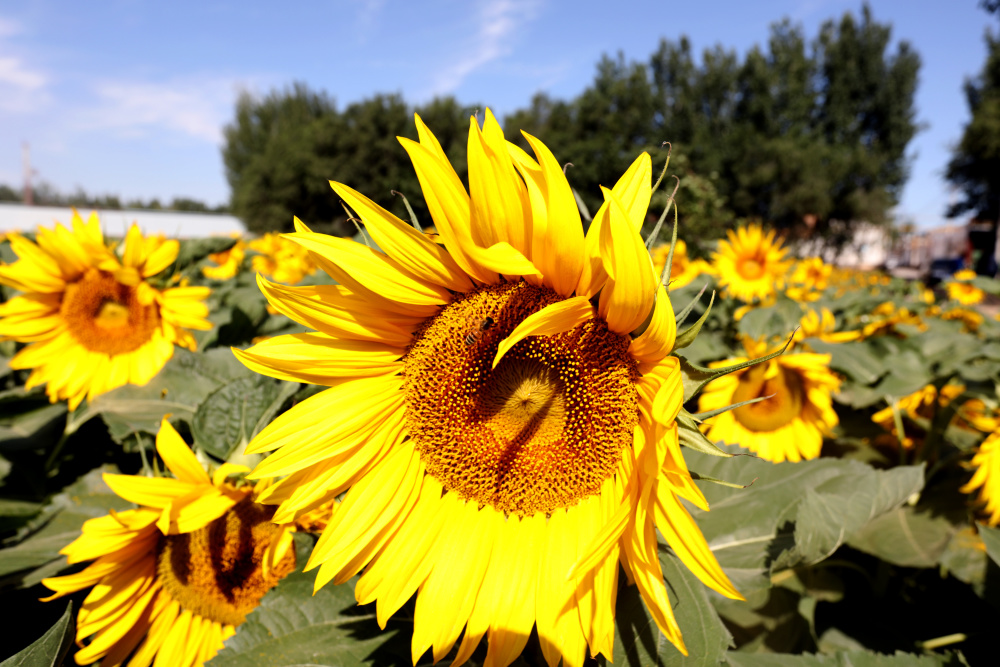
792	513
639	642
855	359
294	627
846	659
50	649
87	498
906	536
991	539
237	411
28	420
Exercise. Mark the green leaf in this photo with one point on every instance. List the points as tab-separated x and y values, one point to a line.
639	642
906	536
854	359
836	509
846	659
195	250
294	627
87	498
31	423
691	436
237	411
50	649
183	384
991	538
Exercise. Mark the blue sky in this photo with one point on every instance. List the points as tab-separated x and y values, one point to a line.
130	97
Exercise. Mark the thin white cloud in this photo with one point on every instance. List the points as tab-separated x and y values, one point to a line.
364	24
195	108
10	27
496	25
22	89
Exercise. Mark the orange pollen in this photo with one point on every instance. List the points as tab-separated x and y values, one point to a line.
215	571
786	392
103	315
542	430
751	268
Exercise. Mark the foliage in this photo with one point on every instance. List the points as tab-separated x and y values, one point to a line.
975	164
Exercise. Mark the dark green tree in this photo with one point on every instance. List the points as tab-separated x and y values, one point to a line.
974	168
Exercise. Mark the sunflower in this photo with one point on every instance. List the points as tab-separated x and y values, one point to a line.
808	280
971	319
93	319
507	441
683	269
280	259
961	289
922	406
173	578
885	319
751	265
986	477
227	263
821	324
787	425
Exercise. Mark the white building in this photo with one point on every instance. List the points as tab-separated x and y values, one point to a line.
173	224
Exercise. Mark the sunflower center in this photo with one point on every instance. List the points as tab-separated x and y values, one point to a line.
751	268
544	428
782	385
216	571
103	315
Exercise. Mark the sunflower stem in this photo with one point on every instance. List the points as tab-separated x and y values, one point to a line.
671	203
357	224
670	149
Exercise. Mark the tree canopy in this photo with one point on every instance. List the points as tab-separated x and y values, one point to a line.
798	133
974	168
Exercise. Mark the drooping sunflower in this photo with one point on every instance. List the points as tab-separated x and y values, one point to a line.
280	259
503	442
173	578
93	319
227	263
961	289
791	423
683	269
822	324
923	405
751	265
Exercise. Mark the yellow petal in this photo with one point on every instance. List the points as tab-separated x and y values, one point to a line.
425	259
156	492
320	359
178	456
549	321
657	340
628	296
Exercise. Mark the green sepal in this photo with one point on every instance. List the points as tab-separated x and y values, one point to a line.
686	338
708	414
721	482
696	377
682	316
691	436
409	210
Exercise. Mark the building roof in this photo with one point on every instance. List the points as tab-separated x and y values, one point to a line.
174	224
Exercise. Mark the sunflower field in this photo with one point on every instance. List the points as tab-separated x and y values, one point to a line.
526	435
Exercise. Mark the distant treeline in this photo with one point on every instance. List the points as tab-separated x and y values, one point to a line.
44	194
804	134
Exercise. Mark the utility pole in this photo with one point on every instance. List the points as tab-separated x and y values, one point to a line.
29	195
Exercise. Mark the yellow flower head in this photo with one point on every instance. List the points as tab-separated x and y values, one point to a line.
986	477
173	578
227	262
280	259
93	320
971	319
751	265
923	404
809	278
961	289
683	269
822	324
886	317
790	424
502	441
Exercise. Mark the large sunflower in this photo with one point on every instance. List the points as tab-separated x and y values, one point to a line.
790	423
93	320
502	439
173	578
751	265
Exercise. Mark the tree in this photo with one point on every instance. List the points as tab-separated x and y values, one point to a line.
975	164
